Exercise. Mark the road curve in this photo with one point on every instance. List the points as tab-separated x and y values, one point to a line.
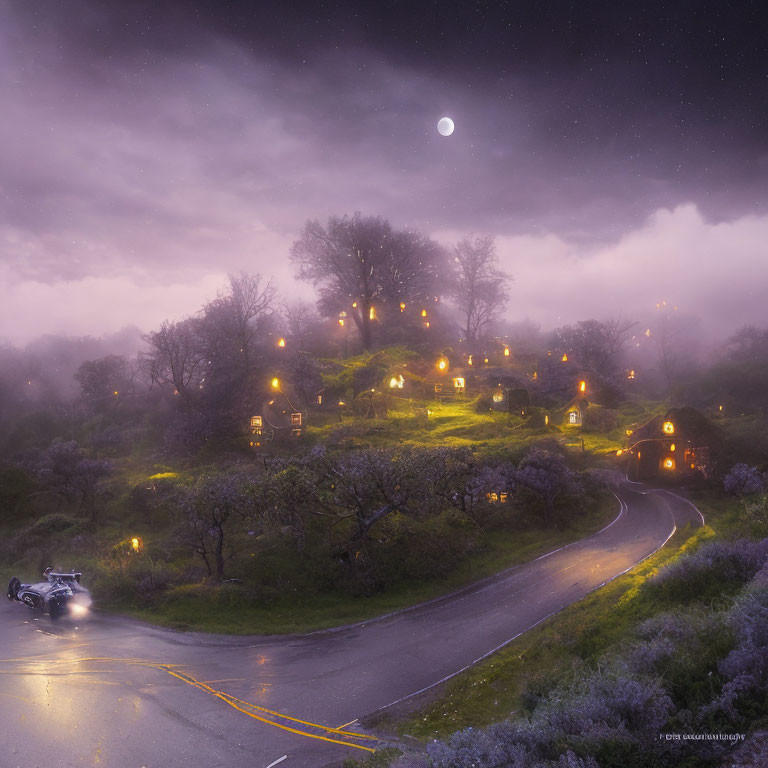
123	694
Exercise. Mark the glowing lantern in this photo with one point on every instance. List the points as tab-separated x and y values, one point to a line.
506	351
619	452
402	307
582	386
354	305
469	360
341	322
498	396
668	427
372	313
442	364
423	312
535	375
275	383
564	358
720	408
135	543
648	332
396	382
628	432
281	342
115	393
546	419
672	447
485	359
669	463
341	403
426	325
631	374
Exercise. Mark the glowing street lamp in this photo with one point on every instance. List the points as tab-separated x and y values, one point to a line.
668	428
442	364
275	383
423	312
281	342
402	306
582	387
135	543
506	351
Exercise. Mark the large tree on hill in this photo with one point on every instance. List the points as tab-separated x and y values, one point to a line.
362	260
479	288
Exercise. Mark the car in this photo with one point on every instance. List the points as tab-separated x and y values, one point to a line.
61	594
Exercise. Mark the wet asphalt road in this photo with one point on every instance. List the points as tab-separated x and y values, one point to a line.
118	693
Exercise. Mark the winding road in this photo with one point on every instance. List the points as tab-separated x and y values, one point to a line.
119	693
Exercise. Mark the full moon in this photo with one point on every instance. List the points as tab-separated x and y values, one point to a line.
445	126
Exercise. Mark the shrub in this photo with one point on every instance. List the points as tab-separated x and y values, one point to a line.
713	565
742	480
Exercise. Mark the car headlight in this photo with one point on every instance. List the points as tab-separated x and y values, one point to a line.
80	606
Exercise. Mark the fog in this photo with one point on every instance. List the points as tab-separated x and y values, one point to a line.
146	155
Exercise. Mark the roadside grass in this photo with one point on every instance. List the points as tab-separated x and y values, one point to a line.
568	643
213	609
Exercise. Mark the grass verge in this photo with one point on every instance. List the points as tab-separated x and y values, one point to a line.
204	610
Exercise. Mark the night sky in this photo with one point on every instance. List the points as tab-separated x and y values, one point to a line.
618	151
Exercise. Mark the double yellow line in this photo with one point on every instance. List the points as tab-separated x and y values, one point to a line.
251	710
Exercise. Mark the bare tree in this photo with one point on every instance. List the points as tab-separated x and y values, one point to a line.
362	261
596	345
480	288
177	357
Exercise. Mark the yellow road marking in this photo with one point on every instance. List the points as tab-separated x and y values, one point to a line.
225	697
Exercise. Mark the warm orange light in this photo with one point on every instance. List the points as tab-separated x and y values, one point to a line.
672	447
668	427
281	342
669	463
396	382
442	364
341	322
469	360
426	325
546	419
485	359
720	408
535	375
372	313
115	393
631	374
628	432
458	382
354	305
275	383
423	312
564	358
619	452
135	543
582	386
402	306
342	403
648	332
506	351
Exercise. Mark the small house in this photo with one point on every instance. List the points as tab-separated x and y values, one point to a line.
277	419
680	442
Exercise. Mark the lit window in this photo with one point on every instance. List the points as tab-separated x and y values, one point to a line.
564	358
319	399
296	419
458	382
582	386
498	396
397	382
573	417
506	351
